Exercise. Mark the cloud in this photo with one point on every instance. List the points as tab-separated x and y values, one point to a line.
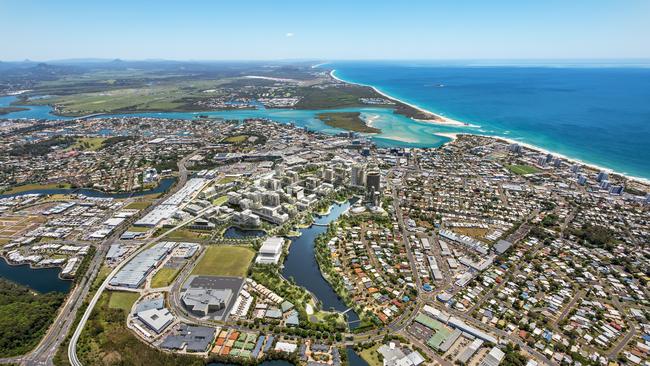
289	34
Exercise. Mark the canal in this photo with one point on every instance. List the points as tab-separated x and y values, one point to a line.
301	264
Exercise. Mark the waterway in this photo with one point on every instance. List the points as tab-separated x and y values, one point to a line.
354	359
234	232
397	130
163	186
42	279
301	264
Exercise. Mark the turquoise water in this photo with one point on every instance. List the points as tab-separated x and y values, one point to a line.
597	113
397	130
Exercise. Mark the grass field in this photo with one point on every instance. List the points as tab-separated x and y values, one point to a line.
522	169
225	261
220	200
350	121
164	277
226	180
87	144
371	356
184	234
30	187
138	229
140	205
240	139
158	98
123	300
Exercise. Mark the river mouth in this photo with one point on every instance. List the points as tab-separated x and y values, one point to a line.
301	264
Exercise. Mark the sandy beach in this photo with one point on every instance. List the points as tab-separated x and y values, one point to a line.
543	151
442	120
453	136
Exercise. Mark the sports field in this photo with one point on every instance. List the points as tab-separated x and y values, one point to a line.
522	169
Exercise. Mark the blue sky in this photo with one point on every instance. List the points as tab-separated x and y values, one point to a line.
350	29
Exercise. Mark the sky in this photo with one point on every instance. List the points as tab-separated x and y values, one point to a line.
324	30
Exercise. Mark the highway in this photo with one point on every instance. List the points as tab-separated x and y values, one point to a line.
45	351
72	346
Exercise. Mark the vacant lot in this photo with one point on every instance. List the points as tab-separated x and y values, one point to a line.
123	300
31	187
474	232
164	277
184	234
12	226
225	261
522	169
141	205
87	143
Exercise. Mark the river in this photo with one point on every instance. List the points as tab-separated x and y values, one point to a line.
301	264
397	130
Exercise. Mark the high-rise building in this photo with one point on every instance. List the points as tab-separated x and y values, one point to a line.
373	181
604	184
549	158
515	148
575	168
602	176
582	180
328	175
358	175
618	190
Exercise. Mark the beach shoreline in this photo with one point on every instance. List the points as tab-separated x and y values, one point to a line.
454	135
438	119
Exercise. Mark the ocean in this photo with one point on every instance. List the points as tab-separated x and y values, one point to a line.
597	113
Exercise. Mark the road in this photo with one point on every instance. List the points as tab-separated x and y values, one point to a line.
45	351
72	346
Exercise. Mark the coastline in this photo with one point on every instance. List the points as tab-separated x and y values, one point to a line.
640	180
438	119
454	135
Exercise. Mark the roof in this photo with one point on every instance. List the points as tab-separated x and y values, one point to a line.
156	319
272	245
286	347
501	246
201	300
292	318
286	306
157	303
195	338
